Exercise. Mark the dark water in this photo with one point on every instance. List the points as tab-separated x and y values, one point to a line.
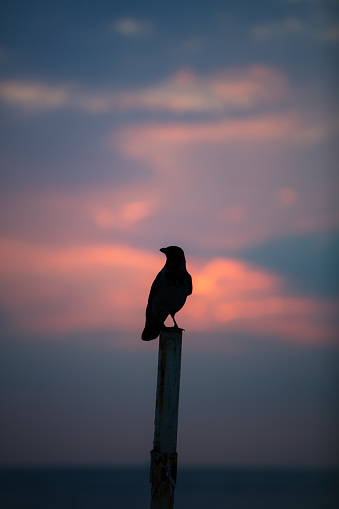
105	488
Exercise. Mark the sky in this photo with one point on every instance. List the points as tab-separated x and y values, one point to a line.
131	126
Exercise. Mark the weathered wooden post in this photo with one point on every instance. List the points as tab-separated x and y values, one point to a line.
164	455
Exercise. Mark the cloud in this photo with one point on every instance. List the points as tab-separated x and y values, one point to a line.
234	296
287	196
236	89
183	92
63	217
34	96
77	288
290	127
38	96
202	178
313	29
131	27
328	34
108	216
308	261
105	287
117	209
224	160
288	26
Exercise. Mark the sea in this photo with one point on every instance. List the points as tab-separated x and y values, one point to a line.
129	488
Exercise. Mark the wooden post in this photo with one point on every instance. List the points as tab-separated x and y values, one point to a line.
164	455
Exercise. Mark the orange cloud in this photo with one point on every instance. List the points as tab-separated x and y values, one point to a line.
35	95
233	296
179	93
106	287
60	289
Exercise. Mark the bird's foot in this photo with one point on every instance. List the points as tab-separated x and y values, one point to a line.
175	327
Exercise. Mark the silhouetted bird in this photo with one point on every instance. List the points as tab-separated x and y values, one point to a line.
168	292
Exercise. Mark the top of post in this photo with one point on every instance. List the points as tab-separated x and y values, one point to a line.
171	333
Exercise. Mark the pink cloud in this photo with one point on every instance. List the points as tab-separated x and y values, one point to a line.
75	288
225	160
287	127
46	290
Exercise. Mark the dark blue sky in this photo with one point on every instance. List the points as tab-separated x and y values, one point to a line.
129	126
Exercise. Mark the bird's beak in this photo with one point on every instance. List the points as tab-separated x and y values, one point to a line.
163	250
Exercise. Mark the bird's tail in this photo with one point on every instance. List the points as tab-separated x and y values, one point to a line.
150	332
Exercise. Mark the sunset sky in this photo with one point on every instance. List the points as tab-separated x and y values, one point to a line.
130	126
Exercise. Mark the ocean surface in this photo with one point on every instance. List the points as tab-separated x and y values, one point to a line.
112	488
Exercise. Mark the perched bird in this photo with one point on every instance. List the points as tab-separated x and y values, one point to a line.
168	292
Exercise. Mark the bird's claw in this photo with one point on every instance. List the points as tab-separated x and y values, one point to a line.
174	327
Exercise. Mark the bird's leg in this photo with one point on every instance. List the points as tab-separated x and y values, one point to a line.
175	323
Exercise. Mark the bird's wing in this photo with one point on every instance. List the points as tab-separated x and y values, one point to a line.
154	288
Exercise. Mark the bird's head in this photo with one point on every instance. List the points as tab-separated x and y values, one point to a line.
175	256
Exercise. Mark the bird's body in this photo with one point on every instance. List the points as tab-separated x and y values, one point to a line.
168	292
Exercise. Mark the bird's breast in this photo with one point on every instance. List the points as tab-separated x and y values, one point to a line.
172	294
